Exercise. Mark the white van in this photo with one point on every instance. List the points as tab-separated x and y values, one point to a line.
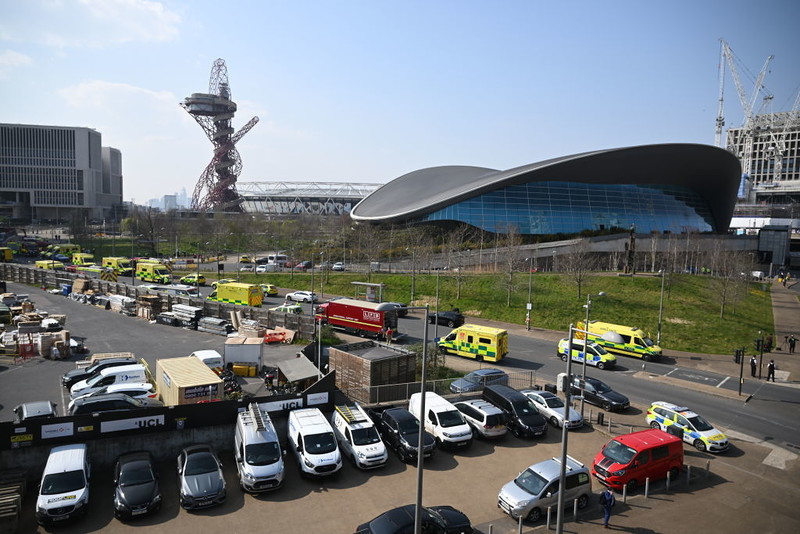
106	377
211	358
312	439
442	419
64	490
257	452
358	438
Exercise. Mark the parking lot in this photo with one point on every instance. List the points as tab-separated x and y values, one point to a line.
751	487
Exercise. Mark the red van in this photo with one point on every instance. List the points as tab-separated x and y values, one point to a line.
631	459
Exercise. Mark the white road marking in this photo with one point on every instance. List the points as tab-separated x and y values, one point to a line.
720	384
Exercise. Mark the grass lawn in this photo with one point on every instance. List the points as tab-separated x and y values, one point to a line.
691	315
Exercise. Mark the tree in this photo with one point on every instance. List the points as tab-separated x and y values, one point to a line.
512	242
578	263
727	267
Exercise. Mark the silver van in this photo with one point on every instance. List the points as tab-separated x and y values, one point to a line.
257	451
536	488
64	489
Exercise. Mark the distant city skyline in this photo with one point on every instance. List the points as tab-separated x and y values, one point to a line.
357	91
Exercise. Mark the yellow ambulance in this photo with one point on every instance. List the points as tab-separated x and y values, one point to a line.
482	343
620	339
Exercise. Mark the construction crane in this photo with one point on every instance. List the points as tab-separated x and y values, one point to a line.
727	56
791	120
214	111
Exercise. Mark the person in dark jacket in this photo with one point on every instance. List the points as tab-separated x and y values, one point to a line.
753	366
771	370
607	502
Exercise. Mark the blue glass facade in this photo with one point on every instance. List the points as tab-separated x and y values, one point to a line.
571	207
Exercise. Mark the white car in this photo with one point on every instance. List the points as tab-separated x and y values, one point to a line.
302	296
143	391
247	267
338	266
551	407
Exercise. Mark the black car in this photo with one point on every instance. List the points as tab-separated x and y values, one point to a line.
76	375
400	431
599	393
435	520
451	318
402	311
136	489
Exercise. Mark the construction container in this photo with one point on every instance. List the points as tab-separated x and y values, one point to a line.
244	351
186	380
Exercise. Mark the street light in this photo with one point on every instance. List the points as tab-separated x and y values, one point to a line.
660	307
530	306
588	307
421	439
564	432
413	265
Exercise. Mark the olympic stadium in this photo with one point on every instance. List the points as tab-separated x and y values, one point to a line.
676	188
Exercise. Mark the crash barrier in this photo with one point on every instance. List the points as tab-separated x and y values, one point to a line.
46	278
403	392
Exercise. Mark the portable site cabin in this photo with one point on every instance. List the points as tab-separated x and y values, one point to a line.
186	380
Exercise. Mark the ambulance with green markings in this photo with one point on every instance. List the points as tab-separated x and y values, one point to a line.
481	343
622	340
238	293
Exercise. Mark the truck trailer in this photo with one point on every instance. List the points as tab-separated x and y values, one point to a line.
361	318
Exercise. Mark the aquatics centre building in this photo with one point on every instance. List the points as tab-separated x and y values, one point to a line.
674	188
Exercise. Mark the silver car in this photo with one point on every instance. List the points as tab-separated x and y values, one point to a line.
200	478
551	407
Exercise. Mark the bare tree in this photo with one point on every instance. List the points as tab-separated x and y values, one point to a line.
578	263
512	242
727	267
456	242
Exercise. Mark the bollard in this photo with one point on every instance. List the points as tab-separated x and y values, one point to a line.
519	525
490	528
575	510
647	487
644	367
600	417
549	512
669	479
609	425
625	493
708	468
689	474
630	429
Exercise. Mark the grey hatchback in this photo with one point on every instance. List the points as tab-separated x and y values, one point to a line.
476	380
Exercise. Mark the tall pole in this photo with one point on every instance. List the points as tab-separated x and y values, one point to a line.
530	306
564	433
421	440
660	307
413	269
585	346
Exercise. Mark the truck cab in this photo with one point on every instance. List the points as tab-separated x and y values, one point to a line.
358	437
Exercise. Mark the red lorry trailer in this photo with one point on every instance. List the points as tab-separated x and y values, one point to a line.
361	318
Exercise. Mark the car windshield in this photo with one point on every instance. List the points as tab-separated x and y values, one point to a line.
472	379
649	342
262	453
94	380
199	463
598	349
450	418
531	482
135	474
525	407
700	424
410	424
320	443
601	387
621	454
63	482
554	402
365	436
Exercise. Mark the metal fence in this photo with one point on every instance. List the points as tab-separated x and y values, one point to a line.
402	392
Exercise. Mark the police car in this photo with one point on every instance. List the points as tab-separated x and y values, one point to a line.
686	424
595	354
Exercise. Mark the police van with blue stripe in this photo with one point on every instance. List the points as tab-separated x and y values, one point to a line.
687	425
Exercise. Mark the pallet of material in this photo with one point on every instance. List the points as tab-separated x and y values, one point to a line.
167	318
214	325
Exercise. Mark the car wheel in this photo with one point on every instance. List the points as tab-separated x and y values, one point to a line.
601	365
631	485
289	298
534	515
607	406
700	445
583	500
401	454
554	421
431	320
655	424
647	358
362	333
451	324
563	357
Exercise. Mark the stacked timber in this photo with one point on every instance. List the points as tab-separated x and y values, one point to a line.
214	325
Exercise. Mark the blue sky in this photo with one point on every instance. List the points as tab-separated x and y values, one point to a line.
366	91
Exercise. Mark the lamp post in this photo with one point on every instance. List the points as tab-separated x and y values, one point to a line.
421	440
588	307
530	305
321	279
660	307
413	269
565	433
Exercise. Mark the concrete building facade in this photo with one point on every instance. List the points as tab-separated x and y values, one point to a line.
50	173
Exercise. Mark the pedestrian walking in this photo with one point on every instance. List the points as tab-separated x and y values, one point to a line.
389	334
771	370
753	366
792	343
607	502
